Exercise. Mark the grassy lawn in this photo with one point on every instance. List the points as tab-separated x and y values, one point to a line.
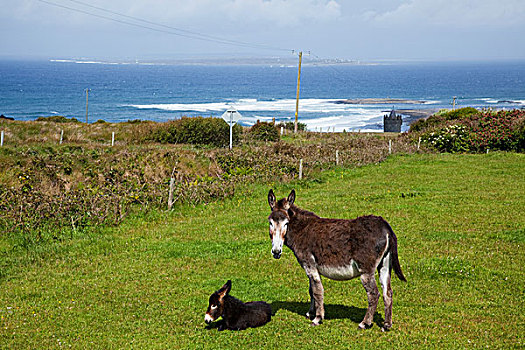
460	224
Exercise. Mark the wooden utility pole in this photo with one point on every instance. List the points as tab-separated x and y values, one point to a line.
87	94
298	84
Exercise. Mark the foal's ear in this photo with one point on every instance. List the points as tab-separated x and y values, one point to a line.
271	199
225	289
291	198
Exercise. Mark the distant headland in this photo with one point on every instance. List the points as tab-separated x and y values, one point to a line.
378	101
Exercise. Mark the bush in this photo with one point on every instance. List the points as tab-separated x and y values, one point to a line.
197	131
473	131
452	139
291	126
497	131
442	118
57	119
519	136
264	131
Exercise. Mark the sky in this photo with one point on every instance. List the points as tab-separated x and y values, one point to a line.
336	29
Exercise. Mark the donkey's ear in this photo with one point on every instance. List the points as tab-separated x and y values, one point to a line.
225	289
291	198
271	199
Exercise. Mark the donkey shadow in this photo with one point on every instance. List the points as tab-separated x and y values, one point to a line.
332	311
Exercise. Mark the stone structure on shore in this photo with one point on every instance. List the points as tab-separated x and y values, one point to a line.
392	122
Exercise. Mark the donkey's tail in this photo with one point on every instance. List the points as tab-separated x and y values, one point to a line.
395	259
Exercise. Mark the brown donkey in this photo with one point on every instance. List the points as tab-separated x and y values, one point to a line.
337	249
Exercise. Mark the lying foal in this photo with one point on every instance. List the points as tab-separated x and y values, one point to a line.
236	315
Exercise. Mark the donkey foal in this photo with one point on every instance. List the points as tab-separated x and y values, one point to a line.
236	315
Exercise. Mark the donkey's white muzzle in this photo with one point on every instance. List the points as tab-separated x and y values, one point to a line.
277	246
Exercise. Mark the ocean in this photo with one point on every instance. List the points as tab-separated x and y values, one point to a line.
121	92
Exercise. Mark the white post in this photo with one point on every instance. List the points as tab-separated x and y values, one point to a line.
172	188
282	130
231	130
389	146
112	139
170	195
300	169
61	136
336	157
2	139
418	143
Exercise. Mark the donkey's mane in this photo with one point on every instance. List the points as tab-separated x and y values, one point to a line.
301	212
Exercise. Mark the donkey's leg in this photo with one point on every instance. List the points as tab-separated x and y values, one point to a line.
311	313
317	294
385	273
372	293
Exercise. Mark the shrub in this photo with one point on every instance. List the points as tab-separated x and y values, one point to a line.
57	119
478	131
197	131
519	136
264	131
497	131
291	126
453	139
442	118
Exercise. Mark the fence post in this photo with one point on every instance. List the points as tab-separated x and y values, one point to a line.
336	157
61	136
389	146
2	139
172	188
300	169
282	130
112	139
418	143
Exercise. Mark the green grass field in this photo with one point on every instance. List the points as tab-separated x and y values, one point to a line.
460	224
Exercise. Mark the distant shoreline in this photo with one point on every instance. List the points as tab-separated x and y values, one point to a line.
379	101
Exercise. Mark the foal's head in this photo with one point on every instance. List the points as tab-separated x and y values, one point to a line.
216	303
279	219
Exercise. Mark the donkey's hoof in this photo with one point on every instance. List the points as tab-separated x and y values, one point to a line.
316	322
386	327
363	325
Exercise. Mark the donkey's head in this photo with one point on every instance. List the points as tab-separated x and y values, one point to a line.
216	303
279	219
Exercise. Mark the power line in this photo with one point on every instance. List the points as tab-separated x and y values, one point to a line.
204	36
169	30
338	74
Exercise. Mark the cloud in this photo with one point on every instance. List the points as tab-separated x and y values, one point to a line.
283	13
464	13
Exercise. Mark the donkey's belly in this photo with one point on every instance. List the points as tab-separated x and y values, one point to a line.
340	273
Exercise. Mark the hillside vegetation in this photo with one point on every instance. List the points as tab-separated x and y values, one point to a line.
51	190
470	130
